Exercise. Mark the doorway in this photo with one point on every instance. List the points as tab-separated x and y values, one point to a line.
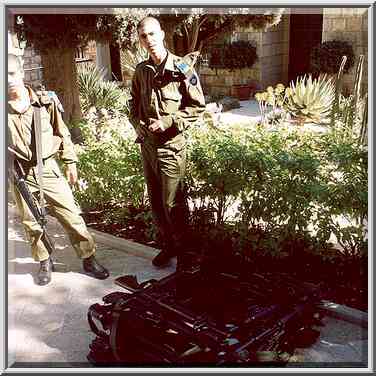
305	33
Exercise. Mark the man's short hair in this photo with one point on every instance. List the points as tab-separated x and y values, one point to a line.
147	19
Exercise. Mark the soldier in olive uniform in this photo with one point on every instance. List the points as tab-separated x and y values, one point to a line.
55	140
166	99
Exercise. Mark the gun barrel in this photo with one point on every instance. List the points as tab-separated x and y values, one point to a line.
23	189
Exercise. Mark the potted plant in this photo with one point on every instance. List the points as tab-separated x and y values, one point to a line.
233	56
327	57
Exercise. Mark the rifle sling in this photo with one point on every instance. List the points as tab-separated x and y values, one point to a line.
39	155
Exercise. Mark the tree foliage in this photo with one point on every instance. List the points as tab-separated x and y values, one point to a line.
56	37
197	26
60	31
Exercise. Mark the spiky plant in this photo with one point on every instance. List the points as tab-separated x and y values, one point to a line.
351	113
338	92
310	99
95	91
89	78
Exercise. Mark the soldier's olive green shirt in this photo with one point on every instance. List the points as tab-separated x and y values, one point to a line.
55	135
165	91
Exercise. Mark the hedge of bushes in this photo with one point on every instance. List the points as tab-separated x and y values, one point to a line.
288	182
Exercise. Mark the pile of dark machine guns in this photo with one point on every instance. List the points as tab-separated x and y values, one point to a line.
204	315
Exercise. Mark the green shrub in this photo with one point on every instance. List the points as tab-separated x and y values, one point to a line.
110	170
290	184
98	93
265	190
215	171
346	199
235	55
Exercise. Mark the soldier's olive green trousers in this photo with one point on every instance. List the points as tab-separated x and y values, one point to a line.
164	170
61	205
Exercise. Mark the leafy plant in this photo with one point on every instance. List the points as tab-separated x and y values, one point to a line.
349	115
270	192
110	169
327	56
310	99
235	55
290	185
98	93
274	98
343	209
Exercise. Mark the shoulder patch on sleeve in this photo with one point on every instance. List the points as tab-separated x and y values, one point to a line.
182	67
193	80
191	58
186	64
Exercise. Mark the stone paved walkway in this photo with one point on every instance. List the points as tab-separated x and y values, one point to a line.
47	325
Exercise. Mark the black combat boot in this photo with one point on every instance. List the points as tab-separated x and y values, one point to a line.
44	273
95	269
163	257
188	261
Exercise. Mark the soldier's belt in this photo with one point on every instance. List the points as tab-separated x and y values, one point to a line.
28	165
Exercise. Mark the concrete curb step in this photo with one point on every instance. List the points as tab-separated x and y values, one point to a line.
345	313
335	310
133	248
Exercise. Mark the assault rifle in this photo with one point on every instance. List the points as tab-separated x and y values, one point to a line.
203	317
17	175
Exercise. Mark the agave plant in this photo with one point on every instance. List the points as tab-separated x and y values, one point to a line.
95	91
310	100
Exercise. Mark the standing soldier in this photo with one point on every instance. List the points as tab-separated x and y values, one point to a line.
23	106
166	99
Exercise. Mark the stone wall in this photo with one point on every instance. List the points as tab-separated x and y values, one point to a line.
275	54
351	25
33	68
271	68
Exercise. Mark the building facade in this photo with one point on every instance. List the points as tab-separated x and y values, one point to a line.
283	51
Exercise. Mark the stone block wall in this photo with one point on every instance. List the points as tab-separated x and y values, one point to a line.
271	68
351	25
33	67
275	54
